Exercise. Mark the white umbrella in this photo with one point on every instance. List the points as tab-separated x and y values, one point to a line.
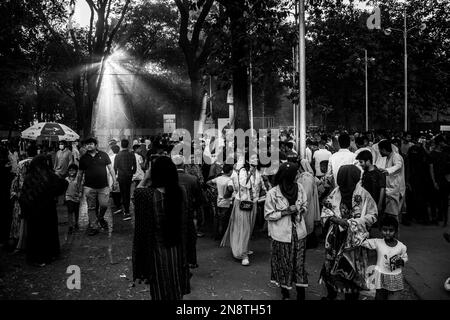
50	131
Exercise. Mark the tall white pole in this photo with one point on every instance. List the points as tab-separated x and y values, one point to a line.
250	100
294	69
367	94
302	80
405	32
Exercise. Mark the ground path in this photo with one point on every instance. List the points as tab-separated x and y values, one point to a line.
106	272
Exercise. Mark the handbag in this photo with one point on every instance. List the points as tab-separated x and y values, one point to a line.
245	205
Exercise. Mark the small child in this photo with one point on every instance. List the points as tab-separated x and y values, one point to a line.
73	198
391	257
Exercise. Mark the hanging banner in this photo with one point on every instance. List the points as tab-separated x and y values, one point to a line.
169	123
230	99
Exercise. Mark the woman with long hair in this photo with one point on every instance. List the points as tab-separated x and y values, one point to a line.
37	201
284	210
159	255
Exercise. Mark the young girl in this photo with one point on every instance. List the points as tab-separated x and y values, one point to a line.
391	257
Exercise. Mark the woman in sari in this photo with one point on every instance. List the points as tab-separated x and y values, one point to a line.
284	210
306	178
347	213
18	228
159	244
37	201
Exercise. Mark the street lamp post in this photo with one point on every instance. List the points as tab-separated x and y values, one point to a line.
366	60
301	114
405	31
367	90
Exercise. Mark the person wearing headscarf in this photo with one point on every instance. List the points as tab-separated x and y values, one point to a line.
247	183
159	253
38	205
285	210
18	227
306	166
347	213
306	178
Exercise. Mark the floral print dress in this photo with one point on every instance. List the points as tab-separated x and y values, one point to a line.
345	264
16	188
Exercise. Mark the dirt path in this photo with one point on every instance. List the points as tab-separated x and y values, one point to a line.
106	273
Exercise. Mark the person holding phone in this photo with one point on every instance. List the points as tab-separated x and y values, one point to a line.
285	207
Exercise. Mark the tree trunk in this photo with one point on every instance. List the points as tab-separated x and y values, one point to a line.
77	86
39	111
240	78
193	113
92	97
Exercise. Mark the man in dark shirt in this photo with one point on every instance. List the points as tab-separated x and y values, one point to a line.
373	180
291	155
440	171
93	166
125	167
193	190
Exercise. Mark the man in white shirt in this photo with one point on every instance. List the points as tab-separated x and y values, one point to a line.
224	198
308	151
342	157
321	155
378	159
394	170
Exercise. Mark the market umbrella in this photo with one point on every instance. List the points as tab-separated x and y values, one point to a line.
49	131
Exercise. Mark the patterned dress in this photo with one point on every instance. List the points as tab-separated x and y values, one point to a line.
164	268
344	270
17	230
288	253
288	262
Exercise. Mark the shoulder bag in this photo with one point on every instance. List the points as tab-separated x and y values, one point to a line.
245	205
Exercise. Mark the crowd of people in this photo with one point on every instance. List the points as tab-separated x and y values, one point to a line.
345	185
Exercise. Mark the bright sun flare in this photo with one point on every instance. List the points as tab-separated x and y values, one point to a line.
82	14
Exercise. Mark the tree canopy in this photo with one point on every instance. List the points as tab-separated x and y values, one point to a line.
51	67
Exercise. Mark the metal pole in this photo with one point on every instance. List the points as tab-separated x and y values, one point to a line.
294	69
302	81
296	65
367	94
250	102
406	72
210	97
294	78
